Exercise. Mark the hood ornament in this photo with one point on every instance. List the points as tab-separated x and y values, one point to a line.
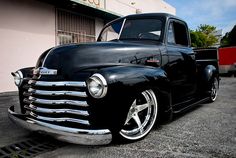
44	71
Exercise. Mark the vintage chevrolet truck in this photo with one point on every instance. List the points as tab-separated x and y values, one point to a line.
140	70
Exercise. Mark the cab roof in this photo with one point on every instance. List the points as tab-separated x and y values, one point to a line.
164	16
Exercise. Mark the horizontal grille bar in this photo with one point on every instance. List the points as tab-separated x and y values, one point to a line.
57	93
56	111
61	119
57	83
55	102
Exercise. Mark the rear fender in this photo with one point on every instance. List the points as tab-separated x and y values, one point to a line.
209	72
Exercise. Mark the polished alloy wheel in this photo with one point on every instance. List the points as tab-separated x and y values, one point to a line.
214	89
141	116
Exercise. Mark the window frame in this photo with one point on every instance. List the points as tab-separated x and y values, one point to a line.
170	22
163	22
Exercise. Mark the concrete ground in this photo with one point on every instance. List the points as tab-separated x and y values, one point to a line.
208	130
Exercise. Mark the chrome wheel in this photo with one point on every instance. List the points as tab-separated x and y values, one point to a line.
214	89
141	116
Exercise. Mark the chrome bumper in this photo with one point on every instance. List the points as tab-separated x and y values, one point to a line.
67	134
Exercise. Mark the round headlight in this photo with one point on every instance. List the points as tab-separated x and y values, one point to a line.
97	86
18	78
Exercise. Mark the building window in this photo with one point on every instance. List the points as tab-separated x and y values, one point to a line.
73	28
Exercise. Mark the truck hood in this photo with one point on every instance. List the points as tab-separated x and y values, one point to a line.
72	57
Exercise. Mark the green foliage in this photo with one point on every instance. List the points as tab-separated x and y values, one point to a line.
230	38
203	36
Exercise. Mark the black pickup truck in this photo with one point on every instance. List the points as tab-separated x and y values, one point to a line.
140	70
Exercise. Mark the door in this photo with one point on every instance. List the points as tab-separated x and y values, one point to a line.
181	67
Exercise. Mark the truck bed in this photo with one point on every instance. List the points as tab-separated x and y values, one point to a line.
206	56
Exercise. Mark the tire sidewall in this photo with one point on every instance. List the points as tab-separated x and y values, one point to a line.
119	138
211	84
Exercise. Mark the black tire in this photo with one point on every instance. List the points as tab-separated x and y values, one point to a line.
141	117
214	87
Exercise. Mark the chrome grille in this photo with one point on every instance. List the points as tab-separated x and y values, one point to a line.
32	100
57	93
57	84
58	102
51	111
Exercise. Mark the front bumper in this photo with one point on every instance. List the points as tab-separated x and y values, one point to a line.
67	134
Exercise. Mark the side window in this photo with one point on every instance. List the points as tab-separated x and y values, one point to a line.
177	34
181	36
171	35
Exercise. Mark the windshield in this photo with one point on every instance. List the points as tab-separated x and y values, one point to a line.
134	29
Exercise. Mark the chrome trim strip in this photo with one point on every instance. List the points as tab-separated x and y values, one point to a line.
60	119
121	29
57	83
68	134
31	100
57	111
57	93
44	71
202	60
26	94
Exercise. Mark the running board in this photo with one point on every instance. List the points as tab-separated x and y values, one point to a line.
190	105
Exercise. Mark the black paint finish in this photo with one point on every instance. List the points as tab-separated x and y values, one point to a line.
131	66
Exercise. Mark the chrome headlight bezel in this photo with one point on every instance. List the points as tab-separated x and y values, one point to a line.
18	78
97	86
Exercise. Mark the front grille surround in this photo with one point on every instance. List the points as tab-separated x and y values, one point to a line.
58	102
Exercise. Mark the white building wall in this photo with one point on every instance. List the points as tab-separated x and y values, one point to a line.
126	7
27	28
121	7
99	23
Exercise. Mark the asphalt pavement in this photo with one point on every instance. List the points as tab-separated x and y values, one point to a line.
208	130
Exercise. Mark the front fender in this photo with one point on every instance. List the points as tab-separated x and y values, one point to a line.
124	83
